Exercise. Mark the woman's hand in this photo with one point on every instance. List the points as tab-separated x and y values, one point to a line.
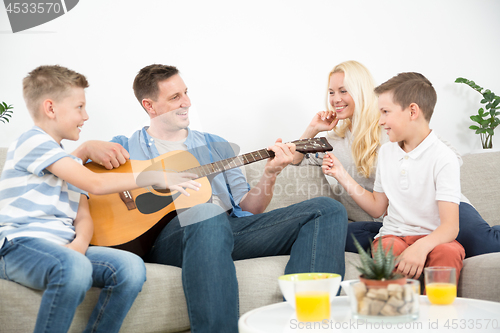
332	167
324	121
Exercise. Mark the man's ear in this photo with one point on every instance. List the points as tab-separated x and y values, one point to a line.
48	108
147	104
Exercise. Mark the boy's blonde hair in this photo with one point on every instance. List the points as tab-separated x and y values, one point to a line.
410	88
360	84
52	82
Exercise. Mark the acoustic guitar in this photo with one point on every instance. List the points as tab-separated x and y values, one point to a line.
132	220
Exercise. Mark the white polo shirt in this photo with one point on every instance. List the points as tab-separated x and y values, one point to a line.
414	182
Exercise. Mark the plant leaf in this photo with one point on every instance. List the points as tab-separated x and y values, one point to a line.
389	262
477	119
378	256
366	259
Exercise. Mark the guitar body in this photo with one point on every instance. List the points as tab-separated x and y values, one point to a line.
121	225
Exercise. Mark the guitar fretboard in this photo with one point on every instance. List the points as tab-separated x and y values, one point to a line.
231	163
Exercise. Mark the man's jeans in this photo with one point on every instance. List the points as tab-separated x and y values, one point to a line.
312	232
476	235
66	275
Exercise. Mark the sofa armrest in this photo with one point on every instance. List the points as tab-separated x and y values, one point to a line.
480	182
479	277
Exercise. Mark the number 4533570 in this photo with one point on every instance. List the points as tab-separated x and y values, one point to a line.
472	324
28	7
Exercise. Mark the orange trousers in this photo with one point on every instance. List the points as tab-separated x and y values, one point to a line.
450	254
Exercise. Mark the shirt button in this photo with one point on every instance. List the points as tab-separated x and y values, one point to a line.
403	172
406	157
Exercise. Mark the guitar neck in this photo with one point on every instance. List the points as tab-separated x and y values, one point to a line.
231	163
304	146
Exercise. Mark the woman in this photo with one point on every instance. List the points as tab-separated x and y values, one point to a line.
354	132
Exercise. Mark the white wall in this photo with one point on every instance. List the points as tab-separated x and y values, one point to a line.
256	70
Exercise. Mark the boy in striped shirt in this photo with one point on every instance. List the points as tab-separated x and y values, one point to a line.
45	224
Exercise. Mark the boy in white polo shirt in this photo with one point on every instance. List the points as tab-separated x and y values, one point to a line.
417	180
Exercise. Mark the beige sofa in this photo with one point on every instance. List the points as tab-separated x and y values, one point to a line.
161	306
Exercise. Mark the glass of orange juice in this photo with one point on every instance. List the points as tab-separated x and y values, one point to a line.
312	300
440	284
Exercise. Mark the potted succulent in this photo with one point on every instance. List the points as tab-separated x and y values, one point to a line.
381	291
487	120
5	112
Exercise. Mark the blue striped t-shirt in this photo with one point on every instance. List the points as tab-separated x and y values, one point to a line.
33	201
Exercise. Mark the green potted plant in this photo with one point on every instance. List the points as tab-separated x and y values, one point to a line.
487	120
5	112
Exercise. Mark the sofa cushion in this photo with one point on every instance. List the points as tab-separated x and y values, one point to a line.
294	184
160	307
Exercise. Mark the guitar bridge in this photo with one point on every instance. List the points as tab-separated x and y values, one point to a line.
128	200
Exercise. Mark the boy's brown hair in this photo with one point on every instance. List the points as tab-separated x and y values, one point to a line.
49	82
146	81
410	88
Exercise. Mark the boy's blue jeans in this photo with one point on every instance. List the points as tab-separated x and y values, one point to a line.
312	232
66	275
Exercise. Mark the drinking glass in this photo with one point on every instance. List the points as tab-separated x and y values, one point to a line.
312	300
440	284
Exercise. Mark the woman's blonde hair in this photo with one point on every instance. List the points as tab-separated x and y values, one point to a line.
364	126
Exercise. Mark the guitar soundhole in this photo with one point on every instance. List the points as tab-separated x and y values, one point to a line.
148	203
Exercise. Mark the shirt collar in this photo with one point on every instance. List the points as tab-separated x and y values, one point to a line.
419	150
148	139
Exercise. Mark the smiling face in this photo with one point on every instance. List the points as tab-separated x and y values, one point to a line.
70	114
393	118
339	97
171	106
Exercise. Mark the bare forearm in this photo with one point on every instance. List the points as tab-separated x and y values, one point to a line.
84	230
367	200
259	197
448	230
100	184
84	227
439	236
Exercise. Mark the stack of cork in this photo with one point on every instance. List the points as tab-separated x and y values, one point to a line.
393	300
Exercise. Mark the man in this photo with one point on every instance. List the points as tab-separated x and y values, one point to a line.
205	239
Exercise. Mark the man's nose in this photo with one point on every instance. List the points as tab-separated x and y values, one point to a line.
186	102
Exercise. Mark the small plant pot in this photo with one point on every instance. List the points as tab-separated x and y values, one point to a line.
382	283
396	302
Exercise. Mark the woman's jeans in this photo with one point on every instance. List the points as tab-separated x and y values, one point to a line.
312	232
66	275
476	235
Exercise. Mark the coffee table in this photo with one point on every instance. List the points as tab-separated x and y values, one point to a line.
464	315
